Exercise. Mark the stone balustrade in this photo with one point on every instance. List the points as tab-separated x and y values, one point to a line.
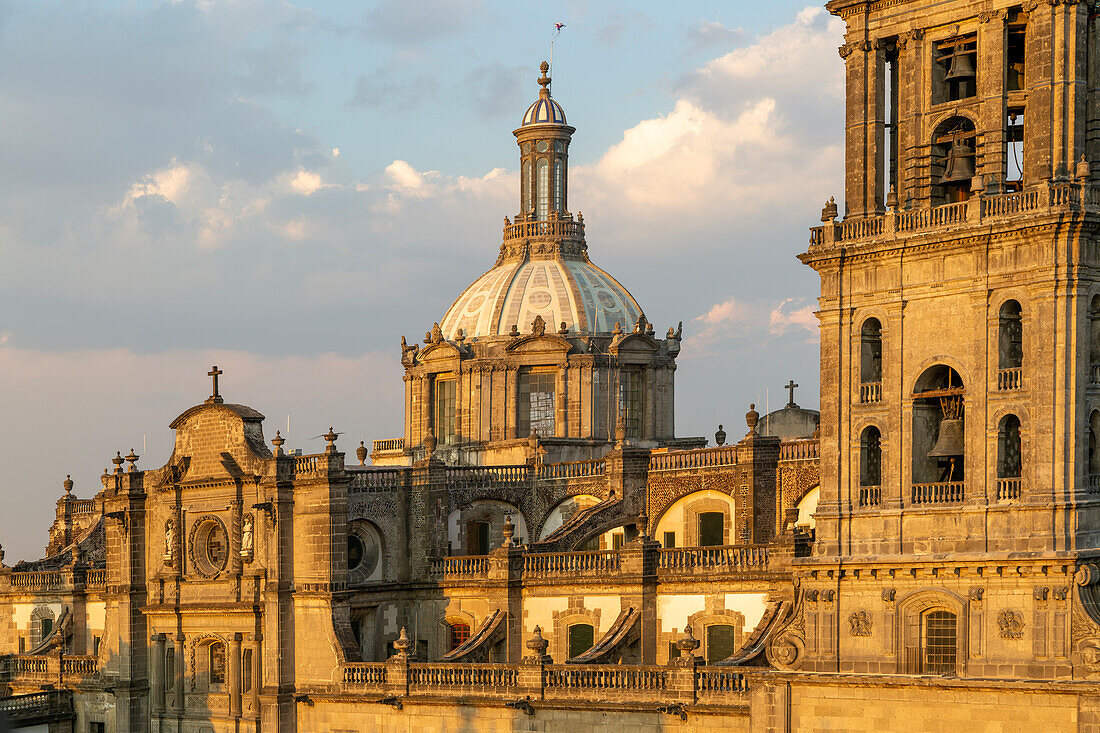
637	684
486	476
573	564
1092	483
870	496
389	445
1008	489
375	479
870	393
560	228
688	459
50	669
66	579
572	469
80	507
941	492
1009	379
461	566
25	710
1045	197
800	450
715	559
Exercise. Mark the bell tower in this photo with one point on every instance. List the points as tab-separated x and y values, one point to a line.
960	339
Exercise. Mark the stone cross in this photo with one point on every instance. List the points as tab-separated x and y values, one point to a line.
790	387
215	373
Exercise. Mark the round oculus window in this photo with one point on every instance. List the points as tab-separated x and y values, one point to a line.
209	546
559	147
542	146
526	148
364	552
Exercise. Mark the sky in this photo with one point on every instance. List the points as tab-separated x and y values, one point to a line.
286	188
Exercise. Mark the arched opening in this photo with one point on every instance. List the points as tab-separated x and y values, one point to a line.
459	634
559	185
564	511
527	204
479	528
1010	346
939	642
364	552
870	467
721	642
1094	340
543	194
215	663
953	160
939	446
1009	459
685	521
870	361
581	638
1093	479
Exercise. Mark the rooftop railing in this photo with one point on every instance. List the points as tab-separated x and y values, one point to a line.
700	458
375	479
736	558
1048	196
389	444
800	450
572	469
574	564
564	228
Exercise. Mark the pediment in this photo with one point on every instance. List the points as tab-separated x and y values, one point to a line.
218	441
635	343
442	351
546	343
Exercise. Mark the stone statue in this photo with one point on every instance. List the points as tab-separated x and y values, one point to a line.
169	539
246	536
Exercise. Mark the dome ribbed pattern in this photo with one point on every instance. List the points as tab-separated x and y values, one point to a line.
544	111
588	299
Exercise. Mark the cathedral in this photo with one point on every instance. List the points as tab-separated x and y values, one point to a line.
539	549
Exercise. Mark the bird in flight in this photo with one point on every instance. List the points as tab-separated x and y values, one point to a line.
559	26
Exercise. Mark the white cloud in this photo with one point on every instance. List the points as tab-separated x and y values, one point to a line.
786	317
306	182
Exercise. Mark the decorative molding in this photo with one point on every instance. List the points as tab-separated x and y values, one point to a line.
976	594
889	594
1011	625
860	622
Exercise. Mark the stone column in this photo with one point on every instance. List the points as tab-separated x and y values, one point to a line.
257	673
911	185
991	92
1038	78
235	675
863	125
177	667
156	674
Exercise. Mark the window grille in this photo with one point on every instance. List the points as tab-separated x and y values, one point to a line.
940	642
460	634
630	402
536	403
543	188
446	391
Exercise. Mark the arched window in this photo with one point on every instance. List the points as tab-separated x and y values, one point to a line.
581	637
953	156
939	445
460	634
939	642
870	467
559	185
721	642
1094	452
870	361
1094	340
527	204
216	663
1010	346
543	188
1009	461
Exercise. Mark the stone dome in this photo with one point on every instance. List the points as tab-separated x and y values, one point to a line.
544	111
575	291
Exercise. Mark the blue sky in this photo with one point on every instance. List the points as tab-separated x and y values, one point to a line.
287	189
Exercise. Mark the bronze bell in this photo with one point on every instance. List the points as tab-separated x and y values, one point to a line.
950	441
960	163
961	67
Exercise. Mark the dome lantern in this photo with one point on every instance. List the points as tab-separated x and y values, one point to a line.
543	138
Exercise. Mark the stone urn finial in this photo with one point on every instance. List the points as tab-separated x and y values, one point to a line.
752	417
68	484
330	438
620	428
118	460
642	524
830	210
401	644
132	458
361	453
278	441
429	443
104	477
509	530
687	645
538	647
720	437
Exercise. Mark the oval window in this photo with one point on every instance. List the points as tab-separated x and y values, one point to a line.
542	146
209	546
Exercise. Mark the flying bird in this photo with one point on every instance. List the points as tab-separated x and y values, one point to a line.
559	26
